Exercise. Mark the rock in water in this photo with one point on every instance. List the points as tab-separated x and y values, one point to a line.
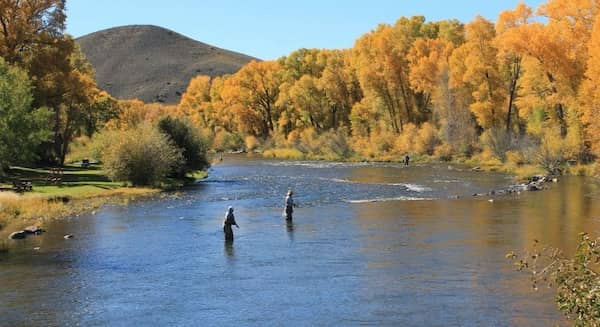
19	235
33	230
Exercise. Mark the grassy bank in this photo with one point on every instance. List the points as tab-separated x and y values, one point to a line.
81	190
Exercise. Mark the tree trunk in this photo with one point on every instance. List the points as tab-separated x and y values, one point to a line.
516	73
560	110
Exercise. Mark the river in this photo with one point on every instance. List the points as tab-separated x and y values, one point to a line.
370	244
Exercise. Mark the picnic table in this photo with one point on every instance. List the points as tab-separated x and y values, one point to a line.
22	185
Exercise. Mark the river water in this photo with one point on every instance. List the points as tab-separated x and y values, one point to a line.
370	244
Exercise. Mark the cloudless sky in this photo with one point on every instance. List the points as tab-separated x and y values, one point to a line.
268	29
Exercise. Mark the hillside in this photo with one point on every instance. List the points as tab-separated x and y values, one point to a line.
151	63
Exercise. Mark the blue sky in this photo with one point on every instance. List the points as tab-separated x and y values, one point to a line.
268	29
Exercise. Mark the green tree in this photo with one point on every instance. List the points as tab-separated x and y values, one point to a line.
22	127
188	141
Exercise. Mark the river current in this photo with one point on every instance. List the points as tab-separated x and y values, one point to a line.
370	244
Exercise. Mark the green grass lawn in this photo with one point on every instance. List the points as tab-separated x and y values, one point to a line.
76	181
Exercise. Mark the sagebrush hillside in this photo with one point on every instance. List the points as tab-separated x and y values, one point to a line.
153	64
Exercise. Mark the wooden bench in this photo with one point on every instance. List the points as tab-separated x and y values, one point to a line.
22	186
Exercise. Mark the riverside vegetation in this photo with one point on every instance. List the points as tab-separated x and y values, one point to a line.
518	94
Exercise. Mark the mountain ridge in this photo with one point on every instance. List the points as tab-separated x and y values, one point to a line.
152	63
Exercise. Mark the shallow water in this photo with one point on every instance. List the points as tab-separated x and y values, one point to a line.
371	244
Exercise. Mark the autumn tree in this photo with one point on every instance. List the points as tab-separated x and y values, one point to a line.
590	92
429	63
32	37
554	56
77	104
474	66
511	62
28	27
340	86
196	102
252	92
383	74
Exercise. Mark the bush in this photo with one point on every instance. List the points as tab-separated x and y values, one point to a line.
251	142
188	141
575	278
443	152
497	141
405	142
141	155
427	139
289	154
515	157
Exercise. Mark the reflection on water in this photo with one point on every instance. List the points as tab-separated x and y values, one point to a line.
360	251
229	248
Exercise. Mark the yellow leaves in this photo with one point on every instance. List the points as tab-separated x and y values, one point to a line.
590	92
509	19
474	66
196	102
428	59
256	88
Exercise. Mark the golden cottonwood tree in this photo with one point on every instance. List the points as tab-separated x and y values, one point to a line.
253	91
474	66
556	56
590	92
383	74
511	61
341	87
196	103
428	62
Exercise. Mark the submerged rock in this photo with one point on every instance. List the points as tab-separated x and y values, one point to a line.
19	235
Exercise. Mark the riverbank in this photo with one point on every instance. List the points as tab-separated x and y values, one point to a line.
71	192
521	170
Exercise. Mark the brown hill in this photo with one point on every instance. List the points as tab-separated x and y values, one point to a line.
151	63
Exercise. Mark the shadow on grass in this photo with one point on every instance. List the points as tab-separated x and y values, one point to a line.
40	176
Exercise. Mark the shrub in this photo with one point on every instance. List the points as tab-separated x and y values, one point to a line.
551	151
426	140
406	140
575	278
141	155
188	141
515	157
443	152
251	142
290	154
497	141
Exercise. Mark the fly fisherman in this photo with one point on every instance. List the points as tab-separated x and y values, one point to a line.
227	223
289	205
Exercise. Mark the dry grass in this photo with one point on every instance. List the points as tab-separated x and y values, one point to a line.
18	211
289	154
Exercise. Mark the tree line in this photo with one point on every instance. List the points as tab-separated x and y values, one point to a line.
520	90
